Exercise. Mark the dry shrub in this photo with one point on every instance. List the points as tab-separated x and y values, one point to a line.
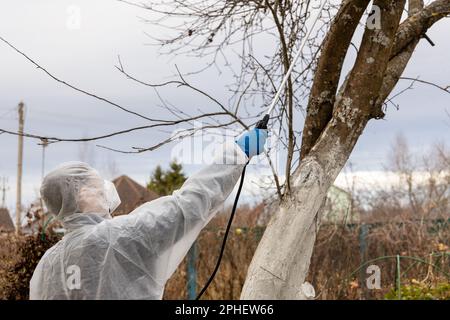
338	253
336	257
19	256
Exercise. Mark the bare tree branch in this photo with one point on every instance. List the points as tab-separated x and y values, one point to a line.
445	89
180	135
323	91
416	25
77	89
51	139
183	83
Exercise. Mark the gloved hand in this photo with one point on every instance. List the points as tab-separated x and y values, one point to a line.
252	142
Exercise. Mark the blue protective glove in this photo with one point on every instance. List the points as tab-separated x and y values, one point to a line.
252	142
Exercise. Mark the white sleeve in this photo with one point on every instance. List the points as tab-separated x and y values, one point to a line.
168	226
36	283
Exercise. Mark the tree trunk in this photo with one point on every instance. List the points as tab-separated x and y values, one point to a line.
281	262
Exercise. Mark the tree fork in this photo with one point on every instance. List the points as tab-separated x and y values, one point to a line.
282	258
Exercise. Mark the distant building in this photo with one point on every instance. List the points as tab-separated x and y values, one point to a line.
131	194
338	209
6	223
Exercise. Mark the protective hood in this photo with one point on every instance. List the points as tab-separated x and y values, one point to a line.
75	187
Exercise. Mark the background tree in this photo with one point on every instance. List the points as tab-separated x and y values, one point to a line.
164	182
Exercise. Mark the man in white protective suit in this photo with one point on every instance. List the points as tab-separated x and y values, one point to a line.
130	256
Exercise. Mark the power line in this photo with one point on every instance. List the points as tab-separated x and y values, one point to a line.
7	112
4	188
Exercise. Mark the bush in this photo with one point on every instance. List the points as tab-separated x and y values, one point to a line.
19	257
420	291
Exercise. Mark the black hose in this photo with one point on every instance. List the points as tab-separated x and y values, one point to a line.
227	231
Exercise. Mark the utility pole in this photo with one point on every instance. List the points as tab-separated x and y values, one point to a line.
44	143
19	169
4	189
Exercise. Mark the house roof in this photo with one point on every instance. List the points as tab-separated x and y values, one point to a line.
6	222
131	194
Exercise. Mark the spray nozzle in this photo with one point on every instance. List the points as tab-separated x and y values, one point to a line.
262	124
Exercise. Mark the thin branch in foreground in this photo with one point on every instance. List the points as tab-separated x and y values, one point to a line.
181	83
445	89
184	134
50	140
38	66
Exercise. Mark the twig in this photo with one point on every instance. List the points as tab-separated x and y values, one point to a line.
78	89
445	89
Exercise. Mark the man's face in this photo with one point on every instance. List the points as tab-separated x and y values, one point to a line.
92	198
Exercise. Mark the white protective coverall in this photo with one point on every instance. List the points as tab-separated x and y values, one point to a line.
129	256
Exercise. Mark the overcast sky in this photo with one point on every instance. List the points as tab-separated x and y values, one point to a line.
86	55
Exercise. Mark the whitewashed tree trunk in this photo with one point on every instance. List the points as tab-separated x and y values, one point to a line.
281	262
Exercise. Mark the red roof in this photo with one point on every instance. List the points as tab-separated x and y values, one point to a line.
132	195
6	223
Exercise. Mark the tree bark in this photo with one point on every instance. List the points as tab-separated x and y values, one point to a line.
326	79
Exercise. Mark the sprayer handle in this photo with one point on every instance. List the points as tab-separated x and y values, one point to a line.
262	124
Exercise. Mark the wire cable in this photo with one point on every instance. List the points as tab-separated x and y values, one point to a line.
227	231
